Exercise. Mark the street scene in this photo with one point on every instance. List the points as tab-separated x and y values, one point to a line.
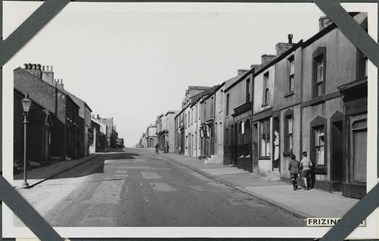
134	187
136	136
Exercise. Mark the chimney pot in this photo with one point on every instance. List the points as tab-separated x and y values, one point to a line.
51	68
34	66
290	36
26	66
38	66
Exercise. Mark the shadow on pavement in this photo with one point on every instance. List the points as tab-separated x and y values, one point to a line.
76	168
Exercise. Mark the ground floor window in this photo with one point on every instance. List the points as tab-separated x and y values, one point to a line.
319	145
265	140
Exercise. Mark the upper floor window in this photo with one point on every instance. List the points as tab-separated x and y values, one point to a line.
247	90
212	106
291	77
319	71
266	89
361	65
205	111
192	116
227	104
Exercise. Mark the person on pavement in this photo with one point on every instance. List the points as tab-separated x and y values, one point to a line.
293	168
156	148
306	165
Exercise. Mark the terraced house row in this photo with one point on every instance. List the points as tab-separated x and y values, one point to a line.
311	96
61	125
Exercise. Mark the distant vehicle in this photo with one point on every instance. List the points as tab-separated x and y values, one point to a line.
119	142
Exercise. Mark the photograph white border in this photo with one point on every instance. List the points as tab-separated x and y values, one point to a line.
370	231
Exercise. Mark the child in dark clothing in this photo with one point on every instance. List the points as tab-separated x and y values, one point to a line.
293	168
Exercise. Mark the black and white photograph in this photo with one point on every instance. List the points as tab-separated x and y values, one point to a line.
190	120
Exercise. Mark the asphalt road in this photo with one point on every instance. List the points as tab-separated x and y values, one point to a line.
140	188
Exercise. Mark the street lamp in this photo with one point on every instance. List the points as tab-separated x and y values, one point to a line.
26	103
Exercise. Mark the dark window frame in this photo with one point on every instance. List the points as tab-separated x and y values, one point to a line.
227	104
268	133
291	75
248	90
287	116
315	124
319	57
266	89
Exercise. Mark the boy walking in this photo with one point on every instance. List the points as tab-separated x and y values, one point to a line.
293	168
306	165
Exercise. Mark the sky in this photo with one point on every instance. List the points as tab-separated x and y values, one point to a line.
134	61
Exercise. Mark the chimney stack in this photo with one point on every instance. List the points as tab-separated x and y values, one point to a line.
48	76
254	66
324	22
60	84
241	71
34	69
267	58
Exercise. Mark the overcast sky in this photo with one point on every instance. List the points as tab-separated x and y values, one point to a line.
134	61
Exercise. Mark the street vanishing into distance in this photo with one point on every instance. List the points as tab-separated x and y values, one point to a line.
136	187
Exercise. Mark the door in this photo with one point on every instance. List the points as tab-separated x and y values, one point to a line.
337	141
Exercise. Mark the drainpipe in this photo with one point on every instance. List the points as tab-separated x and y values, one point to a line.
301	101
56	99
251	122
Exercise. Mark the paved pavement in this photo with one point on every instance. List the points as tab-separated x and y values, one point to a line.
312	203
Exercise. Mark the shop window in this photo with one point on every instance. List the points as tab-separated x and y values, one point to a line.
359	148
319	71
291	77
265	140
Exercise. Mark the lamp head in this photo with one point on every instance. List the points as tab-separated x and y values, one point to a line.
26	103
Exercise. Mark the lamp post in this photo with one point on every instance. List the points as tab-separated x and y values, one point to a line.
26	103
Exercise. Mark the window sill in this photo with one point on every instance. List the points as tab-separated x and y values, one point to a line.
321	170
264	104
264	158
288	94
